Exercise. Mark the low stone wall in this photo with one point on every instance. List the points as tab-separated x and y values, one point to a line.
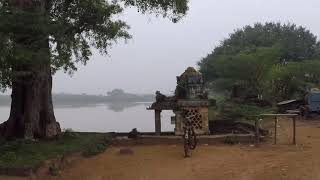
170	140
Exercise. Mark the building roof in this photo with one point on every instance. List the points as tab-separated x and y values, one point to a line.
190	71
164	105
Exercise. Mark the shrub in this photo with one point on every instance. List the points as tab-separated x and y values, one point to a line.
70	133
235	111
95	149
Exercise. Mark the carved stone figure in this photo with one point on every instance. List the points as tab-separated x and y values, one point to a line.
160	97
134	134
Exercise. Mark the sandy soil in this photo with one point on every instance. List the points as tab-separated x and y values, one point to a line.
237	162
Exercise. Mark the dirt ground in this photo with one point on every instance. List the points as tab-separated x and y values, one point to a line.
222	162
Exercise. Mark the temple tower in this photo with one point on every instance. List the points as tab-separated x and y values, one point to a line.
192	101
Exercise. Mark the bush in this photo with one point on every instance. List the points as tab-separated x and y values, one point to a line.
234	111
70	133
95	149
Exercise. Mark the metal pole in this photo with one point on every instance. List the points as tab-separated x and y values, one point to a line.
294	130
257	132
275	129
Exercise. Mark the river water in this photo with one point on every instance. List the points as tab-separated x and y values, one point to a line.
105	117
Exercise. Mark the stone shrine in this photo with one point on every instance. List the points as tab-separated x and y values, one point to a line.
190	100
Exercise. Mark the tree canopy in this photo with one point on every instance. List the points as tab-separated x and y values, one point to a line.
248	68
275	60
295	43
69	27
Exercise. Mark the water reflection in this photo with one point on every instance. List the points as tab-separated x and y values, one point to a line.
113	117
116	106
120	107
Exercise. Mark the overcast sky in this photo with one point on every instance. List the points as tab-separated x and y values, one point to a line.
161	50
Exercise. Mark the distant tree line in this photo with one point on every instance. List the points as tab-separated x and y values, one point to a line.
119	95
114	96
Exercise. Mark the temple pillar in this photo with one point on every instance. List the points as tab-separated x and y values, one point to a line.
158	122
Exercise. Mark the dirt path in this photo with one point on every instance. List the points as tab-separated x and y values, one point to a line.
238	162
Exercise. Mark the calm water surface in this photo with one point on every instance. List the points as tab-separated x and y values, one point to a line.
105	118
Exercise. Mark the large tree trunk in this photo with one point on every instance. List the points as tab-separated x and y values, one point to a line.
31	114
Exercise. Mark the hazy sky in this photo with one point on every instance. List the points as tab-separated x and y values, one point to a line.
161	50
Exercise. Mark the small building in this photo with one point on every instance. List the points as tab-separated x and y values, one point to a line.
190	100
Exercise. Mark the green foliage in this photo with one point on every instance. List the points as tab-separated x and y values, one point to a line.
294	44
247	69
292	80
174	9
28	153
272	60
61	33
248	112
70	133
95	149
230	110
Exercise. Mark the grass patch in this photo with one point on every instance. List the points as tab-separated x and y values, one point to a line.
28	153
230	110
95	149
246	112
